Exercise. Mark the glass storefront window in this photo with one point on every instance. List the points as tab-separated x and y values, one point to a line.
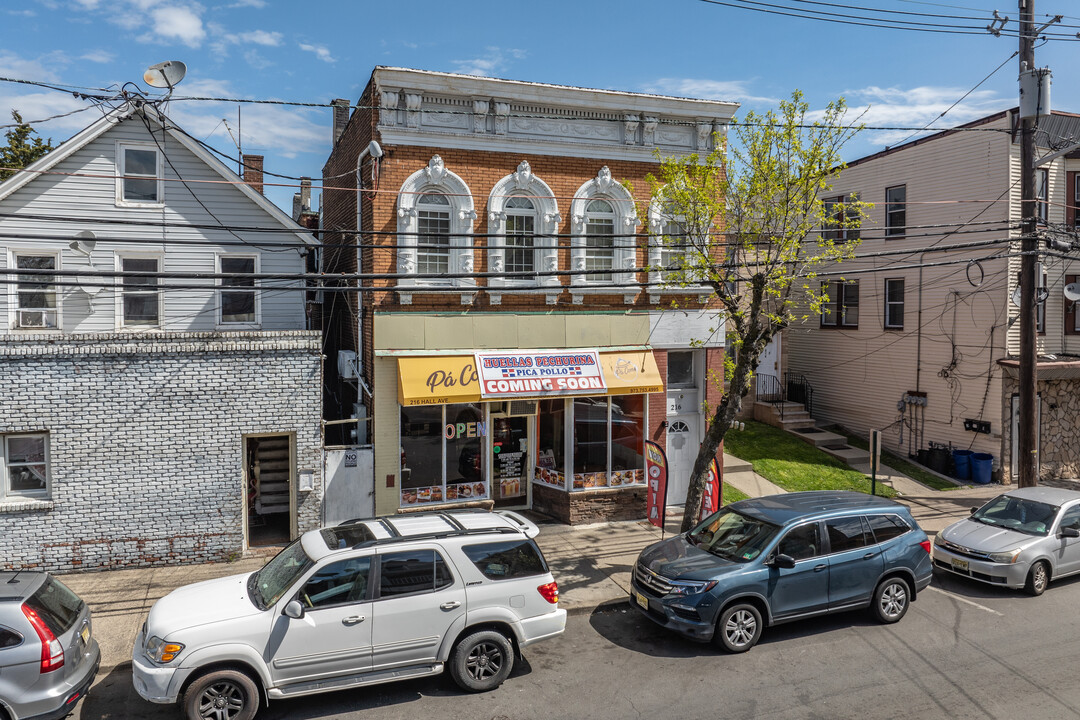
608	442
442	453
628	436
590	442
551	443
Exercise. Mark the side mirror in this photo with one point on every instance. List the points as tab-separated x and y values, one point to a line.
785	562
974	510
294	610
1070	532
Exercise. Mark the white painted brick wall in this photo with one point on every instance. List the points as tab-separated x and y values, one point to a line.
145	441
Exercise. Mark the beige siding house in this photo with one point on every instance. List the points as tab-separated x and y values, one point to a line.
920	340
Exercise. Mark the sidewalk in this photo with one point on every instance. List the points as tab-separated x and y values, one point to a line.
591	563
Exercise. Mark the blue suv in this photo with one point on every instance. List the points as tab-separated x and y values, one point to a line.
786	557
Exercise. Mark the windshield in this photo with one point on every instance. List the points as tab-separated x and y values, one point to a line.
268	585
732	536
1026	516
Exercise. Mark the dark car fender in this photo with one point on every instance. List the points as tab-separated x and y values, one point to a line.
756	598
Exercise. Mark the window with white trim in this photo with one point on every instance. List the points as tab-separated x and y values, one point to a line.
36	301
238	300
435	225
24	466
603	240
841	218
894	303
676	265
523	216
140	175
140	297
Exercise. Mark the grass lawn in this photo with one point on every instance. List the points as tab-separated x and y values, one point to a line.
732	494
793	464
913	471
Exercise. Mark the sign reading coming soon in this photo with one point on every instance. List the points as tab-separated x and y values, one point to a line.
533	374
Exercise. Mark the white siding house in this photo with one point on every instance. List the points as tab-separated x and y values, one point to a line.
155	418
929	340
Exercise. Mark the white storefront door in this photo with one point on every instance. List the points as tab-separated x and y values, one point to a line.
683	442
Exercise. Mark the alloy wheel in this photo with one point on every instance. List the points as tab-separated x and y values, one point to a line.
484	661
893	600
741	628
221	701
1038	577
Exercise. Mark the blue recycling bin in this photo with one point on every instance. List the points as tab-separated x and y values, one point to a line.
962	464
982	467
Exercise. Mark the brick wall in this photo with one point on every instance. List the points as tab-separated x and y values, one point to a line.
145	441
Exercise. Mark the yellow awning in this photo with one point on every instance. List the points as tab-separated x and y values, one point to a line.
448	379
437	380
630	373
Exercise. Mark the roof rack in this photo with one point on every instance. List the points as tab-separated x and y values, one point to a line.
457	529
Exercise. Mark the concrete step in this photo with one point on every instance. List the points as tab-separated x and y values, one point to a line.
850	455
819	438
733	464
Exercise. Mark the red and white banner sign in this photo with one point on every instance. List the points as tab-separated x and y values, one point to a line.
710	501
536	374
656	479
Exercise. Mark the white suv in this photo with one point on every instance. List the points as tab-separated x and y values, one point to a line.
365	602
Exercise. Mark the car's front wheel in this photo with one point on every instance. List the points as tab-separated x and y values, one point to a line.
891	599
1038	578
739	628
481	661
221	695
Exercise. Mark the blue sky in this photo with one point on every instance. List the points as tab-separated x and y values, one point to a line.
322	49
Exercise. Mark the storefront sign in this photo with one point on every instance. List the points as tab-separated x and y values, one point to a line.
539	374
437	380
465	430
710	500
656	477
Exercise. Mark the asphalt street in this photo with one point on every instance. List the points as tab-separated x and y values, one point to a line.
962	651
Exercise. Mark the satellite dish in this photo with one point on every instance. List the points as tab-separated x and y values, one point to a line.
1072	292
165	74
1016	297
88	281
1040	296
84	243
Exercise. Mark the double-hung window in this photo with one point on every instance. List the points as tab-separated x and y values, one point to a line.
841	309
35	295
520	227
140	181
841	218
894	303
599	240
238	298
674	249
895	210
433	243
24	464
1072	317
140	297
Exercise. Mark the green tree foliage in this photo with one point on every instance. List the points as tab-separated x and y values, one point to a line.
24	146
751	226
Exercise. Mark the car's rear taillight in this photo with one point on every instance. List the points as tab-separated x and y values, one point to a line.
52	652
925	545
550	592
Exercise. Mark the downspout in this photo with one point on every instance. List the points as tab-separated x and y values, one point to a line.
375	151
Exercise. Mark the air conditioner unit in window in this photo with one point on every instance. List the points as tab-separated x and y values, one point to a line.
519	408
33	318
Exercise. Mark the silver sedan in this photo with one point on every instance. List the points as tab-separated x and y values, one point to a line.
1020	539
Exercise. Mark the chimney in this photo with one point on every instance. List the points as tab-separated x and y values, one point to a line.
253	171
301	201
341	116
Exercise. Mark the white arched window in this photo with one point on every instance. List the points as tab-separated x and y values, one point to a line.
435	225
603	238
522	218
672	255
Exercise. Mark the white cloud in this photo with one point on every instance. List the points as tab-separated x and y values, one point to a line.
36	106
22	13
256	37
255	59
178	23
259	4
320	51
11	65
916	107
272	129
725	90
98	56
494	61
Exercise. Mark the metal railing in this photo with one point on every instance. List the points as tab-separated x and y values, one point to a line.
794	388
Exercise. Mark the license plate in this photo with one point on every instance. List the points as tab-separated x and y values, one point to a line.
959	564
641	600
85	634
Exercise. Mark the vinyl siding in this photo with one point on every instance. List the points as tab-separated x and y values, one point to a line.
860	375
83	185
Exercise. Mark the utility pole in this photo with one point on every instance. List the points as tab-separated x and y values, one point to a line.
1026	424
